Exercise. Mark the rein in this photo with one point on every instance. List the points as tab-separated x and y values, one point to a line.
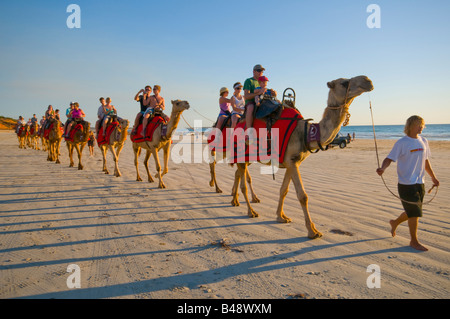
382	178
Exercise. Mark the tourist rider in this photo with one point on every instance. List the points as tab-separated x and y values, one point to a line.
77	115
143	101
238	104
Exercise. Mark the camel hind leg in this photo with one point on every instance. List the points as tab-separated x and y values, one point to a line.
243	171
212	170
303	198
104	150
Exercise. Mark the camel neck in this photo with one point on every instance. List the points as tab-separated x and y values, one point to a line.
331	123
173	123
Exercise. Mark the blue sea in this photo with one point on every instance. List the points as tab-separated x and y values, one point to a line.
436	132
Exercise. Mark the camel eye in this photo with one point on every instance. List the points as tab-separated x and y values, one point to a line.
345	84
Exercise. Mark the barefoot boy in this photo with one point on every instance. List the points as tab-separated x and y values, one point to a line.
411	153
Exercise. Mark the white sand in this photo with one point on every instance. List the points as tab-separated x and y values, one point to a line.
133	240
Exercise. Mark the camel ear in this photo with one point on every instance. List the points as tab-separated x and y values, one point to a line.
330	85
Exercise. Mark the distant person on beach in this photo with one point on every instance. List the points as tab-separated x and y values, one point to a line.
353	136
91	142
411	153
143	100
224	106
238	104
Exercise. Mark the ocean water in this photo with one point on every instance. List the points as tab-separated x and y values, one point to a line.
437	132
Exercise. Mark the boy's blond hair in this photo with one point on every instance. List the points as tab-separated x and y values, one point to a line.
415	119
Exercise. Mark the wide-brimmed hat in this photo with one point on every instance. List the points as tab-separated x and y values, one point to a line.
223	90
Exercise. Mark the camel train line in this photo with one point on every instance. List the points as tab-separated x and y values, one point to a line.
297	145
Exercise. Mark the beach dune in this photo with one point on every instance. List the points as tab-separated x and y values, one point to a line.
130	239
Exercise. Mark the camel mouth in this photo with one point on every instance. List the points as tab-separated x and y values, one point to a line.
367	86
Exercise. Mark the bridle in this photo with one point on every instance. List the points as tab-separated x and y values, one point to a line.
343	107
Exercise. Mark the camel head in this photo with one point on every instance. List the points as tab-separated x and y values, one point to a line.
124	124
179	106
344	91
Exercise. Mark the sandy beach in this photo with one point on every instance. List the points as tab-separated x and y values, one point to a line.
133	240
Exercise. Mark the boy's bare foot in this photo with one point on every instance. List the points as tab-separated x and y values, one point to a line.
418	246
393	227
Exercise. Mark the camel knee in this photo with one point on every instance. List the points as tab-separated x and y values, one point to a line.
303	199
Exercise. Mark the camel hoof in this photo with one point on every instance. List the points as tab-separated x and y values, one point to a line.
315	235
58	162
138	179
80	167
284	220
235	203
255	200
252	214
218	190
211	183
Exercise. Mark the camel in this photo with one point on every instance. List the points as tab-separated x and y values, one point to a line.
33	140
341	95
79	141
115	145
158	143
54	141
22	136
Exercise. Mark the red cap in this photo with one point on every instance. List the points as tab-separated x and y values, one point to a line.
263	79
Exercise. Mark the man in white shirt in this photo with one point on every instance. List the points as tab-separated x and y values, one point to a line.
411	153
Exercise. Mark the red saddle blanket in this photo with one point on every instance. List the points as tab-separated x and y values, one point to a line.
47	131
103	139
73	131
265	146
21	131
151	127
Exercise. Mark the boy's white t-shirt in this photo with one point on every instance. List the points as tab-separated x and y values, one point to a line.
410	155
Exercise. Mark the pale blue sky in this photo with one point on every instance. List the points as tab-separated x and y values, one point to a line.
193	48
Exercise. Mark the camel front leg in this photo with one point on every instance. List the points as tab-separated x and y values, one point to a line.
235	189
116	161
70	150
57	146
281	217
166	150
80	155
104	150
243	175
303	198
212	170
79	150
137	151
147	157
158	169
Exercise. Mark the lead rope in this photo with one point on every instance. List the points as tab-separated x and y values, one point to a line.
379	166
